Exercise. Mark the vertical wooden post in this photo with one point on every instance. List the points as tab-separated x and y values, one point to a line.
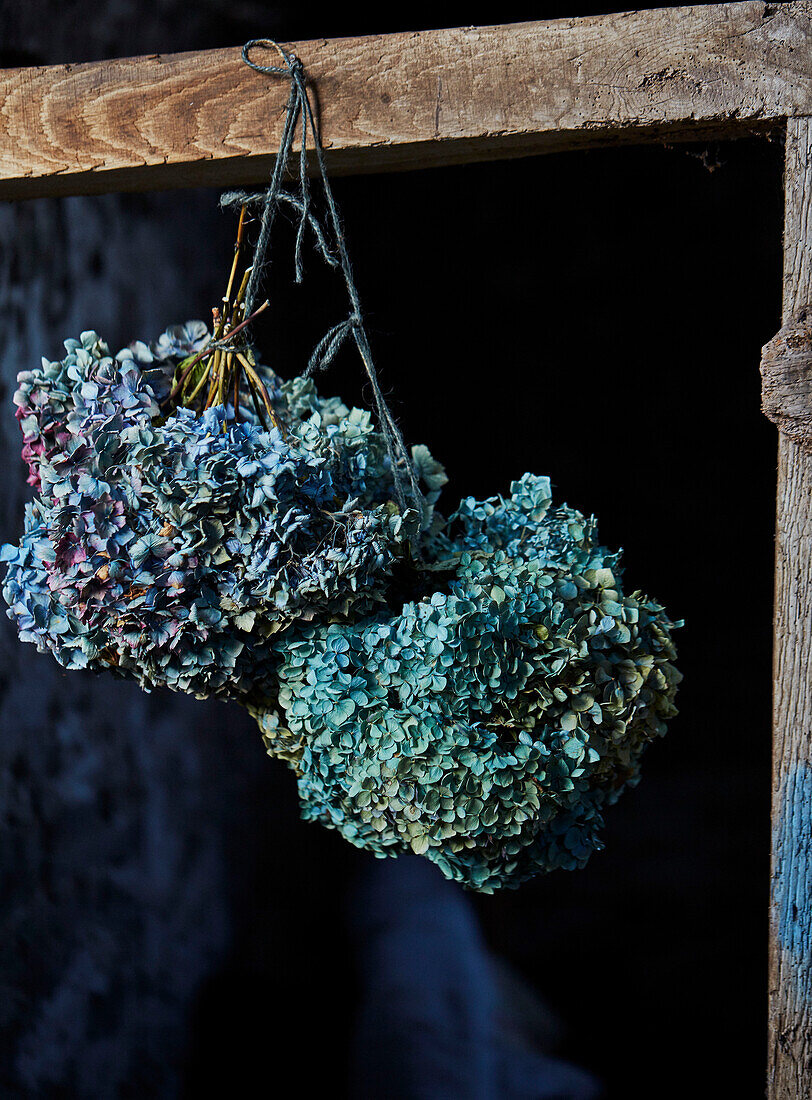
790	1021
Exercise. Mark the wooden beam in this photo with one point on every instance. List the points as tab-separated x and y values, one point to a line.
790	1050
409	100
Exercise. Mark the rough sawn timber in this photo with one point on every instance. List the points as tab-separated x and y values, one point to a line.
408	100
790	1000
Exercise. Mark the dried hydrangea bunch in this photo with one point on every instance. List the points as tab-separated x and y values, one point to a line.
170	548
487	724
480	703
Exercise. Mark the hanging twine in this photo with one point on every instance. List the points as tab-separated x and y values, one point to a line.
300	113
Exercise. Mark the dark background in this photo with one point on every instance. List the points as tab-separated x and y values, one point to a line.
165	919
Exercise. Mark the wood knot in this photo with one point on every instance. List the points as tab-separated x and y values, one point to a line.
786	378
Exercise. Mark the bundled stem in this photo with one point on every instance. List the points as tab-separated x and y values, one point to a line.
223	366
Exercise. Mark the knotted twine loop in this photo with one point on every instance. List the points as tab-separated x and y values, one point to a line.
299	112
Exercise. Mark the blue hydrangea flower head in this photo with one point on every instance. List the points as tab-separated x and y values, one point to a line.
171	549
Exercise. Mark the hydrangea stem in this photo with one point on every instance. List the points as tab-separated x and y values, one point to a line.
223	367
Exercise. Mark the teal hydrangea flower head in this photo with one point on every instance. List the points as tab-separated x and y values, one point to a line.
488	724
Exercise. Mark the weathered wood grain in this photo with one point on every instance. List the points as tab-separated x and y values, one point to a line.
786	379
411	99
790	1053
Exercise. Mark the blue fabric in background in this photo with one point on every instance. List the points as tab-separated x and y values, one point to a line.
433	1023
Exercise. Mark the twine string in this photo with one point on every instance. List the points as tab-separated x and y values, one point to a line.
299	113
